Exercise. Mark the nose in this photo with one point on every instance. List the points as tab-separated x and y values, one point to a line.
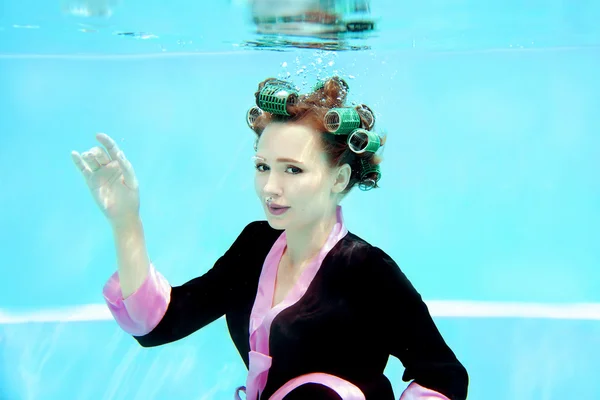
272	185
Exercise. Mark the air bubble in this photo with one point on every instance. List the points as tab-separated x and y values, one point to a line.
26	26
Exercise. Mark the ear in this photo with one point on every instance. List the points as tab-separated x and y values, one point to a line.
342	178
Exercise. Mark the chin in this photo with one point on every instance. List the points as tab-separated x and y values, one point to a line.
276	223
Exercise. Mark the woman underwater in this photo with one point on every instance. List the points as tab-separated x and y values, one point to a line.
314	310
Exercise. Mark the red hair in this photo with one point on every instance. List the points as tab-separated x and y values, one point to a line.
309	110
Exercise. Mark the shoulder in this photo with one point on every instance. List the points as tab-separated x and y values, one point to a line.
374	268
360	252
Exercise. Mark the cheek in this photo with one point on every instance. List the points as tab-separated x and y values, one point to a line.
310	187
306	184
259	184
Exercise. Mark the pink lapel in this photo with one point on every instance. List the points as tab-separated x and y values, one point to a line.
262	315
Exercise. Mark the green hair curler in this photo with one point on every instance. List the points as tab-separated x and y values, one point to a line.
275	96
362	141
340	121
367	183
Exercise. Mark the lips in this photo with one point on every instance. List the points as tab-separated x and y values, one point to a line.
275	206
278	210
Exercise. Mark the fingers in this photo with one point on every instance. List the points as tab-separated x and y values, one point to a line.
101	155
117	154
110	144
92	160
83	168
113	150
96	157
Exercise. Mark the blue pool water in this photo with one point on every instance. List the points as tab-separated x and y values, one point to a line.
489	201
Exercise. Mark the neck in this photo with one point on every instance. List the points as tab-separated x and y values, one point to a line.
304	244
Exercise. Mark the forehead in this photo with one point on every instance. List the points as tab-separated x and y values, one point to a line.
280	140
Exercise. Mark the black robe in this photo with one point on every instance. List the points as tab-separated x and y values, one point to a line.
359	309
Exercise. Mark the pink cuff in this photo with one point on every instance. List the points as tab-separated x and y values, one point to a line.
139	313
415	391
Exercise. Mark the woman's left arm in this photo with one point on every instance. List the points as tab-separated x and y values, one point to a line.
412	336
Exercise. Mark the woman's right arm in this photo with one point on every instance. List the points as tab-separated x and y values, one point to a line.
132	255
139	297
155	312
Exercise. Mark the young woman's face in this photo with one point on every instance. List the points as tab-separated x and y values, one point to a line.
291	168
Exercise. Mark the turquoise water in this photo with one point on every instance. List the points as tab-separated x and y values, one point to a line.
490	193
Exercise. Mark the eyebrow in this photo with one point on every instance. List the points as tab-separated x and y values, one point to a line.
290	160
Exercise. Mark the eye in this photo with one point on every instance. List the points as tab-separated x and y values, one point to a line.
263	167
258	166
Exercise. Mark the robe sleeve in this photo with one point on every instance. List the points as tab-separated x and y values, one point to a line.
140	312
412	336
158	313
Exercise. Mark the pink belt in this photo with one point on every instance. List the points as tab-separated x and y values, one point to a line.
344	389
